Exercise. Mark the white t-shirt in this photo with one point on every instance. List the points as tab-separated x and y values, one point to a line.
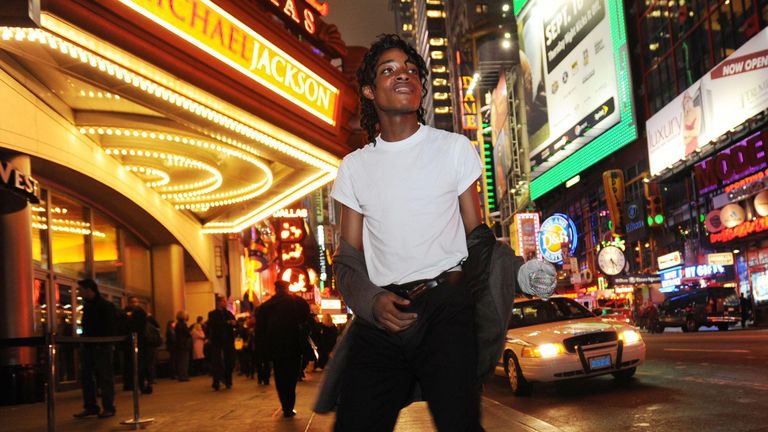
407	192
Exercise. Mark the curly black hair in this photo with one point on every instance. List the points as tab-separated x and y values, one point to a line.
366	76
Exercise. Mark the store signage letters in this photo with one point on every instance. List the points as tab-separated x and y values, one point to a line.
740	231
297	11
468	106
213	30
291	213
19	183
637	279
723	258
670	260
729	165
557	231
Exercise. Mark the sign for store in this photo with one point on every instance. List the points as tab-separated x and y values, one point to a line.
740	231
670	260
18	183
743	159
556	231
729	94
526	227
636	279
724	258
213	30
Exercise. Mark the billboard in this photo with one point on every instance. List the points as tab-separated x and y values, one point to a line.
725	97
574	60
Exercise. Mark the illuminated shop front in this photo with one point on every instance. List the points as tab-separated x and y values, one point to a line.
149	137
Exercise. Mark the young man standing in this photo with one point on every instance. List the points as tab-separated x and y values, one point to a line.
409	200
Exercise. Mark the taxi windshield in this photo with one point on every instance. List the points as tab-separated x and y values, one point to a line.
538	311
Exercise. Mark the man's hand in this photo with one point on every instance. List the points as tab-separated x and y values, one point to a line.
388	315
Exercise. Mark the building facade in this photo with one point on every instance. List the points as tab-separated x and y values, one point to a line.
142	142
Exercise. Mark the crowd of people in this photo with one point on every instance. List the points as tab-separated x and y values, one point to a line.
280	335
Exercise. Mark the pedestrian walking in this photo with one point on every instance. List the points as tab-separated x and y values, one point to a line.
263	365
745	305
183	346
283	329
96	370
136	321
221	333
198	347
170	346
409	200
326	340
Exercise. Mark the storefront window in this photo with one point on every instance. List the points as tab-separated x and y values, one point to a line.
107	265
40	233
68	234
138	269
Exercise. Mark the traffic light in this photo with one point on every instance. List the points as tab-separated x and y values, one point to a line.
655	213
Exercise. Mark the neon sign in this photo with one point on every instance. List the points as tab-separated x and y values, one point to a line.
739	231
557	230
210	28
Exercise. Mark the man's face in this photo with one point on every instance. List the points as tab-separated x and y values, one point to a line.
134	302
87	293
222	303
397	86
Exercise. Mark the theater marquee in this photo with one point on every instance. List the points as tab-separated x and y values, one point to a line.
210	28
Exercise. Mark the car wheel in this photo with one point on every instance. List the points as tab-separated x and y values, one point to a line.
691	324
624	375
660	328
517	382
722	327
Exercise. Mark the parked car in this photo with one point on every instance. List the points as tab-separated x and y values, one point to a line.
697	307
559	339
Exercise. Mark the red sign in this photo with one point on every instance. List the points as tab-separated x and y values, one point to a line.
740	231
297	11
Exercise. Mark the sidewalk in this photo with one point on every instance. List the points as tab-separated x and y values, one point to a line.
194	406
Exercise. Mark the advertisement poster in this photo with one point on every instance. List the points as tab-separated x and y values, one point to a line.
570	78
732	92
502	152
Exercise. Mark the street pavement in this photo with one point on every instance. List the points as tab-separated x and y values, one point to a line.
194	406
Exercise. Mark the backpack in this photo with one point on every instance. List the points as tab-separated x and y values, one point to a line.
152	335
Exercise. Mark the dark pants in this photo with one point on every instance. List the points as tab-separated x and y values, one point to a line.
182	364
439	353
96	370
286	377
263	369
222	364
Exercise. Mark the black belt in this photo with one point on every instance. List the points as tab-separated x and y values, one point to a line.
411	290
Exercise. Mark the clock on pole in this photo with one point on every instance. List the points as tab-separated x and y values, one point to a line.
611	260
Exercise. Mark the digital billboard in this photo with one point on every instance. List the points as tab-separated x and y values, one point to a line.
730	93
577	85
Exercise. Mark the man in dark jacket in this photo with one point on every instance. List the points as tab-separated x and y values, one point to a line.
135	321
221	332
283	322
99	320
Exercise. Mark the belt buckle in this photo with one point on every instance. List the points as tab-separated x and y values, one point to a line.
417	290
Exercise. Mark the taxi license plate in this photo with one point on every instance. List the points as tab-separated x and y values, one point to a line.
600	362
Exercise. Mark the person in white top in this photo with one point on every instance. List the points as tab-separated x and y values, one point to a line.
409	198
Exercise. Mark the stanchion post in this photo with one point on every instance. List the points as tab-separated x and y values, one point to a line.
136	421
51	384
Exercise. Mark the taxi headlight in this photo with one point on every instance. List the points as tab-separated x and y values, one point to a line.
544	351
630	337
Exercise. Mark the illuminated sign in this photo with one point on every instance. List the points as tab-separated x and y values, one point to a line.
557	230
213	30
674	276
296	11
291	213
705	110
740	231
577	86
526	227
737	162
330	304
670	260
469	104
291	230
19	183
297	278
724	258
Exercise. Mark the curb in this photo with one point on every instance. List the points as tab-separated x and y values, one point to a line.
512	416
